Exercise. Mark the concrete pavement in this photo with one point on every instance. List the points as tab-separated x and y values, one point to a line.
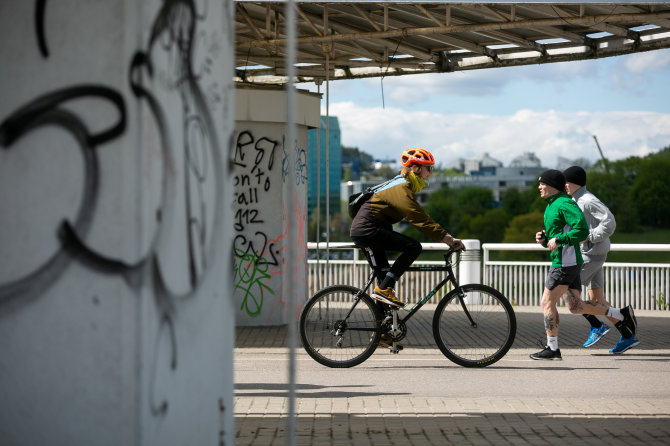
420	398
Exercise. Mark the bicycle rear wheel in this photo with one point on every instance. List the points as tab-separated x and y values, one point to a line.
329	338
479	344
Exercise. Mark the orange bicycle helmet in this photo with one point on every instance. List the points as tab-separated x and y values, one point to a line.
416	156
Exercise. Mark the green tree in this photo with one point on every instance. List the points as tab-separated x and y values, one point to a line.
488	227
649	191
612	186
522	229
469	202
516	202
633	190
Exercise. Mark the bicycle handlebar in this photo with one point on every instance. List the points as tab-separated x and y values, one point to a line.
450	252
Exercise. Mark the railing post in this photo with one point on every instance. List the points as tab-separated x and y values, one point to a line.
469	270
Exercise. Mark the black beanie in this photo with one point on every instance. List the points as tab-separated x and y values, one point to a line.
553	178
575	174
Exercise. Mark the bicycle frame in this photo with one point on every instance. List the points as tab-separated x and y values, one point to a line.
450	277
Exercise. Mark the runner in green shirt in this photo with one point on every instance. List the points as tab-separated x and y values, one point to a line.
564	228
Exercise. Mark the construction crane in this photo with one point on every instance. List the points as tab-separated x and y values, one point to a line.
607	166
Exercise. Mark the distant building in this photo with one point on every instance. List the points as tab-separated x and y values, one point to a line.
317	173
485	171
482	165
527	159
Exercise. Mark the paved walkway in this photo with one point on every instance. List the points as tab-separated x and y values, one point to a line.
420	398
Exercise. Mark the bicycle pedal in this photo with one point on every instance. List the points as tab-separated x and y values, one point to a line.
396	349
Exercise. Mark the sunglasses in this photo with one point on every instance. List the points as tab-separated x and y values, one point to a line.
430	168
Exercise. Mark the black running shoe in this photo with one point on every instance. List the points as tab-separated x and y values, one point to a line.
548	354
629	318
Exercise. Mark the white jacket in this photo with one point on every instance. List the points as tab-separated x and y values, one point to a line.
601	225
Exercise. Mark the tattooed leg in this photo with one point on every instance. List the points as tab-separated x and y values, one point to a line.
575	302
577	306
551	318
551	324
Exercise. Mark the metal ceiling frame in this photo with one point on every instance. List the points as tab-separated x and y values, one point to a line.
373	39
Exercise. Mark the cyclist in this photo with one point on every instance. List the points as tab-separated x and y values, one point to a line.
390	203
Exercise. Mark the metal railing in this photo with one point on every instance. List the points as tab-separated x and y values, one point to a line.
355	271
643	285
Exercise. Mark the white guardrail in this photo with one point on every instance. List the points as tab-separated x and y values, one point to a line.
645	286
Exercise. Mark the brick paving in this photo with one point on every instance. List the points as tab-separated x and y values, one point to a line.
347	407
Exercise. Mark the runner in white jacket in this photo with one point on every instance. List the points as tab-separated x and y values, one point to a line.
594	250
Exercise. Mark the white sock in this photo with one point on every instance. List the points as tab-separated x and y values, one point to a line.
552	342
614	313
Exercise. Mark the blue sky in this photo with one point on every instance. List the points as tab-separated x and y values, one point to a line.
552	110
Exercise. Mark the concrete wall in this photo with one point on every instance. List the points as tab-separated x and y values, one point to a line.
270	196
116	317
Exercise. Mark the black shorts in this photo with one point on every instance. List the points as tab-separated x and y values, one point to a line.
566	275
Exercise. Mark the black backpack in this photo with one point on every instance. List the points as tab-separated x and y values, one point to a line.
357	200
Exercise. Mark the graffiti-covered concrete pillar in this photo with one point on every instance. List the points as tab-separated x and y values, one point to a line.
116	130
270	182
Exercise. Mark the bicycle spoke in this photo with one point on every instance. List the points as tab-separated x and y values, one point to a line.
485	342
335	332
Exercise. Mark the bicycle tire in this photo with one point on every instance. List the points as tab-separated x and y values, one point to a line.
480	345
319	320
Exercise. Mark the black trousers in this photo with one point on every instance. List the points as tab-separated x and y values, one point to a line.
388	240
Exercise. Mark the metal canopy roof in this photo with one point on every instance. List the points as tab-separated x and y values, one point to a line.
372	39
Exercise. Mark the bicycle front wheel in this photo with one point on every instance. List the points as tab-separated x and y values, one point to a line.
477	331
338	329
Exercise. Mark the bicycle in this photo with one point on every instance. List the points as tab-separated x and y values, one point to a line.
473	325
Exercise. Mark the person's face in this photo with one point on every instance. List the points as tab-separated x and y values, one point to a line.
546	191
426	171
571	188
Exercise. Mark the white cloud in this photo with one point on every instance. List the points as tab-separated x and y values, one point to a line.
386	132
414	89
652	61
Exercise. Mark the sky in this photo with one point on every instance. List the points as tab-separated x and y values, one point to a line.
552	110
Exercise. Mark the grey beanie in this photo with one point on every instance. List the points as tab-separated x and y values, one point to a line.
553	178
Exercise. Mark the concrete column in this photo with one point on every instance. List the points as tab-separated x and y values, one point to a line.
265	165
116	323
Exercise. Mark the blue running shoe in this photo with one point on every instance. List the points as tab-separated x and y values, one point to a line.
596	334
624	344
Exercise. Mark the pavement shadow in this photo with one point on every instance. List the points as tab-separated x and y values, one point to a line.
304	391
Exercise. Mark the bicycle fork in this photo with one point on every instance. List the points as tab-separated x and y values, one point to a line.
461	297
